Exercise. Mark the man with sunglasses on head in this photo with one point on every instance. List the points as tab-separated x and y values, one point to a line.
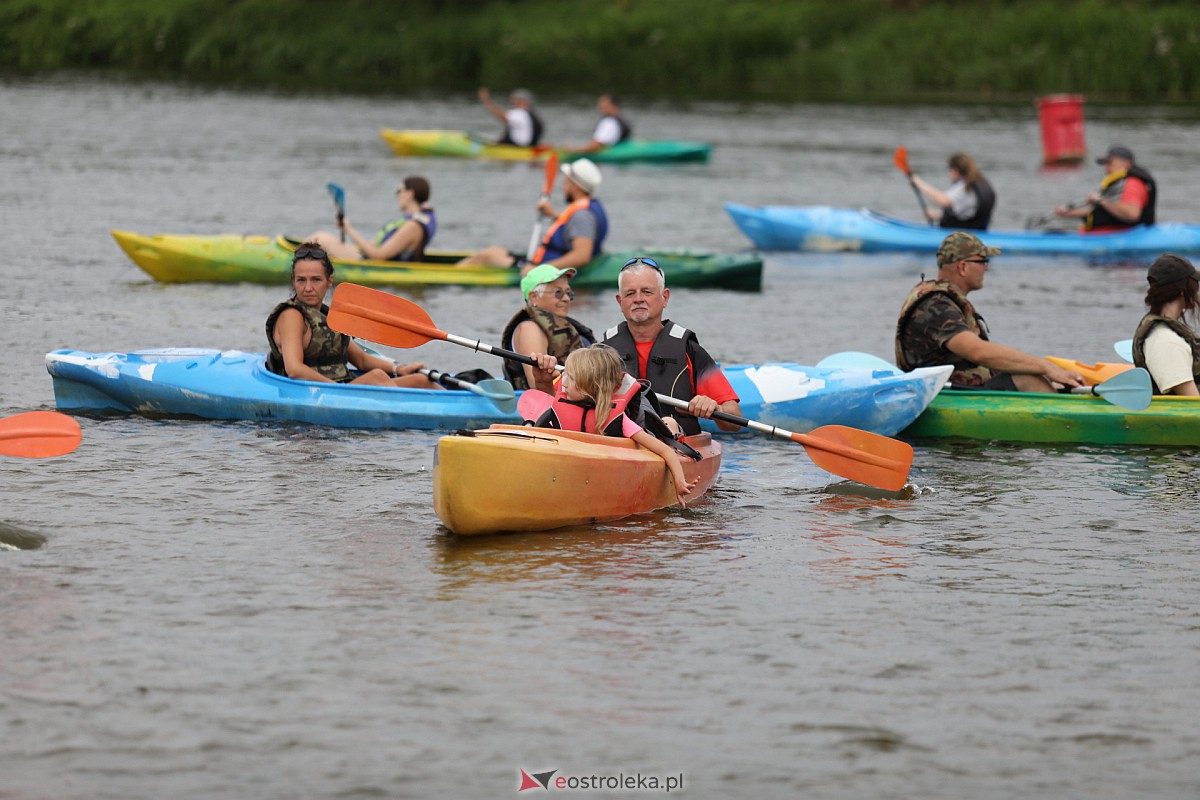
665	353
939	325
576	235
542	328
403	239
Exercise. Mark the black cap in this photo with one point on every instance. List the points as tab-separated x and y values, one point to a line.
1116	151
1169	268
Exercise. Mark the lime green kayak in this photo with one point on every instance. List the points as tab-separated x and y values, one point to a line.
264	259
460	144
1071	418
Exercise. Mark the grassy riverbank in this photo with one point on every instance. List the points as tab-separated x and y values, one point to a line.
861	50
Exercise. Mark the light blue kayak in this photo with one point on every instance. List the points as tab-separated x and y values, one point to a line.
801	398
214	384
830	229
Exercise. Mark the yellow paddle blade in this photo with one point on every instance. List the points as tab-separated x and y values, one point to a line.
39	434
380	317
858	455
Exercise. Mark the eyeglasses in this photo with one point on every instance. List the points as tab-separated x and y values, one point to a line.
983	261
314	253
559	294
649	262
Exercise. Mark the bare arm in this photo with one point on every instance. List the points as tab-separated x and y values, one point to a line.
290	332
668	455
529	339
495	110
932	192
1003	358
581	252
408	237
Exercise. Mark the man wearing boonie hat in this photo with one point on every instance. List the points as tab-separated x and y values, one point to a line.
577	233
939	325
543	326
1163	344
522	125
1127	195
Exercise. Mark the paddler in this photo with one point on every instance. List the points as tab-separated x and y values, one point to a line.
939	325
1127	196
543	326
1166	346
403	239
968	203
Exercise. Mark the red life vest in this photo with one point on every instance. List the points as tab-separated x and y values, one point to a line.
570	415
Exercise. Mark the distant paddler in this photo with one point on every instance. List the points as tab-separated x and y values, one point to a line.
403	239
1127	196
612	128
522	126
576	235
967	204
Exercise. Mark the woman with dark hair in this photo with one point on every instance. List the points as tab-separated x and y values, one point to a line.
968	203
403	239
304	347
1164	344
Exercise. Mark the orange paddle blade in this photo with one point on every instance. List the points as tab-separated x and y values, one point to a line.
551	173
857	455
380	317
900	158
39	434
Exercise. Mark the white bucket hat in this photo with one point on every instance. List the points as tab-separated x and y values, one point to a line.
584	173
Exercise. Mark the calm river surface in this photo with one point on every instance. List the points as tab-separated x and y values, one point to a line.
236	610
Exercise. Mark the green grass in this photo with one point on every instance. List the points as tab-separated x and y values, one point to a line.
857	50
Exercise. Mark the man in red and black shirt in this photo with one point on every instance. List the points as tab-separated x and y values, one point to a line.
666	353
1127	196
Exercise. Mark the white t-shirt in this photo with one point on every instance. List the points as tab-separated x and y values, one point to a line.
1168	358
963	202
520	126
608	131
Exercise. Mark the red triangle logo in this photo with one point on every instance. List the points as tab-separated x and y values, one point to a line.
528	782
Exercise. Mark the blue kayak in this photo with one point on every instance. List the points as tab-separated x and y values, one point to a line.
801	398
214	384
829	229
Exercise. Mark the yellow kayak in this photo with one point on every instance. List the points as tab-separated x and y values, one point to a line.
1092	373
460	144
518	478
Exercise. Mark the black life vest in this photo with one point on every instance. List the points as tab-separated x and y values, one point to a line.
985	201
668	368
1111	188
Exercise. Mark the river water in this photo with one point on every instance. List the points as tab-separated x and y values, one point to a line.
240	610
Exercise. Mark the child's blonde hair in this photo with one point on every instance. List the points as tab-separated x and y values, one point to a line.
596	371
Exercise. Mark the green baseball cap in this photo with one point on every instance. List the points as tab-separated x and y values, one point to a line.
543	273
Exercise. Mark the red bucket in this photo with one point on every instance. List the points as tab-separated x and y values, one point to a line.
1061	119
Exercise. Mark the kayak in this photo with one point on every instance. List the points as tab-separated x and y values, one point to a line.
829	229
214	384
460	144
1067	418
801	398
515	478
268	260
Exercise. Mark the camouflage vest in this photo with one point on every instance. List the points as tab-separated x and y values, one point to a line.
326	350
563	333
1187	334
965	372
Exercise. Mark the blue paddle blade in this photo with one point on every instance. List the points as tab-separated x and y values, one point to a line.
855	360
500	392
1129	390
337	193
1124	349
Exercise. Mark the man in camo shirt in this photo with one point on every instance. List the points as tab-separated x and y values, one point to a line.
939	325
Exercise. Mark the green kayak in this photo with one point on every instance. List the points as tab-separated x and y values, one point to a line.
265	259
1078	419
460	144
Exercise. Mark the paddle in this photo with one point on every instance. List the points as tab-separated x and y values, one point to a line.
500	392
900	158
851	453
1129	390
339	201
39	434
1124	349
551	174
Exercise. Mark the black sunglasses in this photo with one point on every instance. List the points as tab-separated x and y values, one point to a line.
983	261
649	262
314	253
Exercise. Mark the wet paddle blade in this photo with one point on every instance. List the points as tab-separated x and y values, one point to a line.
39	434
860	456
1124	349
900	159
338	195
533	404
501	393
1129	390
551	173
380	317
